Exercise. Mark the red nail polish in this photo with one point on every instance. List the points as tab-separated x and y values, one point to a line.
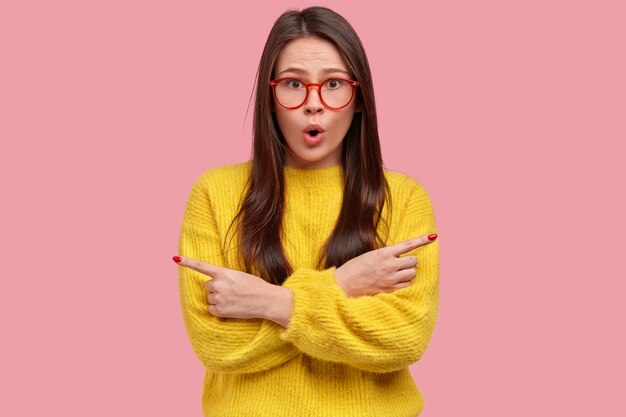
177	259
432	237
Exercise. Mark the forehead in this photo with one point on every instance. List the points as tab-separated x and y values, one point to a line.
311	56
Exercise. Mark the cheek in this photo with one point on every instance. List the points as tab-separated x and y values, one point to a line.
346	121
285	122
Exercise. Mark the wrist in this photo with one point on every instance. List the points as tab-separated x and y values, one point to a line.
279	305
339	278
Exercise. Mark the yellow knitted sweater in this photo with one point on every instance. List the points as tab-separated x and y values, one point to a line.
339	356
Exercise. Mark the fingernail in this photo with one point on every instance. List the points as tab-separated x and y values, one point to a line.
177	259
432	237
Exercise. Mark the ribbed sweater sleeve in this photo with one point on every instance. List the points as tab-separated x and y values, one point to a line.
222	344
378	333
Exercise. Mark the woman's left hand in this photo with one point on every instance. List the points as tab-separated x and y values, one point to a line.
232	293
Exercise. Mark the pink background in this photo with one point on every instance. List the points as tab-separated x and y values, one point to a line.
512	115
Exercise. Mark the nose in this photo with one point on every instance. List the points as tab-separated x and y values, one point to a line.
313	102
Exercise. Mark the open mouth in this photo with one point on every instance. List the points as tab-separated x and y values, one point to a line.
313	137
313	133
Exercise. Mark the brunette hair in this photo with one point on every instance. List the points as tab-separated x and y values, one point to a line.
365	187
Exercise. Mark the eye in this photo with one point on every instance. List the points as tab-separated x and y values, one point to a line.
293	83
334	84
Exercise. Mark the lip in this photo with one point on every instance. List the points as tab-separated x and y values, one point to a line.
313	140
313	126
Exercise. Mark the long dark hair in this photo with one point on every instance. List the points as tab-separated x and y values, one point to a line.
365	187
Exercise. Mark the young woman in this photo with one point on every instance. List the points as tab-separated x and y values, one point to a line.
309	277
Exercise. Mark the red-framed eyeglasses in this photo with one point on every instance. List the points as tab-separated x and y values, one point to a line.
334	93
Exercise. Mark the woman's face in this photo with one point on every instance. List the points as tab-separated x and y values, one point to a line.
308	60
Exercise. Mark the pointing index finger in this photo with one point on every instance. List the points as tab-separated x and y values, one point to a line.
196	265
409	245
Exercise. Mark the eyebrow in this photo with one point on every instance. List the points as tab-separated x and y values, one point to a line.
303	71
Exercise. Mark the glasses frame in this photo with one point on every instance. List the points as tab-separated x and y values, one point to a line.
308	86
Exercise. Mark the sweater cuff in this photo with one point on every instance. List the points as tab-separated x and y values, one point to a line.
312	291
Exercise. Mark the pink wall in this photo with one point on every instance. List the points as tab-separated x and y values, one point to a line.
510	113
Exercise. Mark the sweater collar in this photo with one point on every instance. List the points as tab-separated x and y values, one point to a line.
314	177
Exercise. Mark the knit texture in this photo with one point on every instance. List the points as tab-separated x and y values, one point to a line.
339	356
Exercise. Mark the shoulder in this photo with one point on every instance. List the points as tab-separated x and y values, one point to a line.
403	183
235	171
408	190
224	177
221	187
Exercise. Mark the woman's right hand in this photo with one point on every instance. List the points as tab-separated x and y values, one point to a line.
380	270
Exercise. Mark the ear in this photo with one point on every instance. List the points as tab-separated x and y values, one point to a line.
358	107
